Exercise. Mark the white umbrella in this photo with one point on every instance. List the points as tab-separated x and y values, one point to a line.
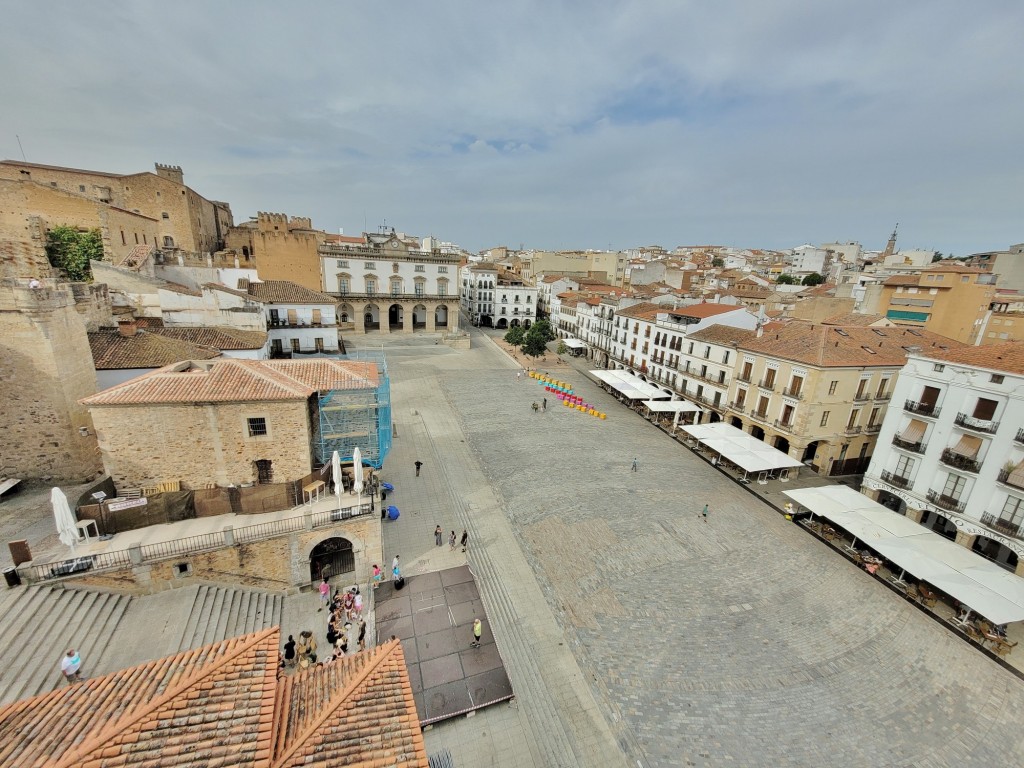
67	526
357	468
336	472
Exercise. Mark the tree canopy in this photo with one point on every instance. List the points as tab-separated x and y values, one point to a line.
813	279
718	262
515	336
70	251
785	279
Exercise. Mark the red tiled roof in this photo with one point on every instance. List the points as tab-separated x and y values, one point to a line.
1008	357
218	337
183	289
229	381
704	310
643	311
285	292
224	705
112	351
852	318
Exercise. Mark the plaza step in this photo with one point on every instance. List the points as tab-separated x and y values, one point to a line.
41	624
220	612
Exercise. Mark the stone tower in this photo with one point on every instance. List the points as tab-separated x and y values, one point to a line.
45	368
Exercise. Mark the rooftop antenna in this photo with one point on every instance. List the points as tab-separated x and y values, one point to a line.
23	158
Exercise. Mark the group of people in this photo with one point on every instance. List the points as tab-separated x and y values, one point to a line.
452	541
346	609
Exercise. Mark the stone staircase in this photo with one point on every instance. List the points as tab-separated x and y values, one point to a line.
39	624
221	612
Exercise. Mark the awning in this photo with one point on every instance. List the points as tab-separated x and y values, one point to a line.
574	344
983	586
632	387
743	450
671	406
968	446
1016	476
914	431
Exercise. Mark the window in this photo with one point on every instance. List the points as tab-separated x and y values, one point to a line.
883	384
264	470
371	286
873	418
965	279
369	265
1013	511
954	487
442	289
319	344
854	418
938	367
996	378
342	264
420	268
295	345
832	389
904	466
257	426
824	418
164	215
442	270
343	284
725	357
81	187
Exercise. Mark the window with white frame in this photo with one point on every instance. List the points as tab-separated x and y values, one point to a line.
954	486
904	466
1013	511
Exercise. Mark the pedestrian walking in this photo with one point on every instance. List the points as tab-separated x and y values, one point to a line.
519	375
418	465
451	541
357	605
465	539
394	562
705	513
362	635
325	594
478	629
544	404
438	536
535	407
71	666
289	652
377	575
634	465
396	573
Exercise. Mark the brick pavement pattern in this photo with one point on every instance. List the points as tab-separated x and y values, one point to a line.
637	634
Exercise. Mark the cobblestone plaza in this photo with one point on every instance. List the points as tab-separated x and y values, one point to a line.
636	633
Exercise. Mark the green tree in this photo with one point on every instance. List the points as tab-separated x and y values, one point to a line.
515	336
785	279
70	251
543	329
562	349
534	344
813	279
717	262
937	256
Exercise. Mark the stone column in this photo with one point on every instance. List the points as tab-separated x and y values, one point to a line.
965	539
407	315
915	514
1020	567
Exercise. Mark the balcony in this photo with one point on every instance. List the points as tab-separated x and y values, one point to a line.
956	460
964	421
1019	436
786	425
760	416
945	502
872	429
897	480
883	396
906	445
922	409
1004	478
1003	526
796	393
744	377
768	384
861	397
851	429
738	407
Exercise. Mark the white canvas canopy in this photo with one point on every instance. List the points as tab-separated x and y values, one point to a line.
630	386
976	582
743	450
574	344
671	406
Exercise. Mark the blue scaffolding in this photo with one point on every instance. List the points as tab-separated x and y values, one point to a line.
353	415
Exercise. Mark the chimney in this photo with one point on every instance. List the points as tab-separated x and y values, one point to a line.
127	327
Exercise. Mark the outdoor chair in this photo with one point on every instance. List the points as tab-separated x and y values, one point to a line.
1004	646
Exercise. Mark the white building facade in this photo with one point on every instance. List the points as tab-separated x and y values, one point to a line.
950	453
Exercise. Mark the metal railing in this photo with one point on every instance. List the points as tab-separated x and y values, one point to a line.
851	429
945	502
898	480
1019	437
883	395
919	447
745	378
767	384
1003	526
871	429
738	407
786	425
797	393
956	460
977	425
860	397
921	409
187	546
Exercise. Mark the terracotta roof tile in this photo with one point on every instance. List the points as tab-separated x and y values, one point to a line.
831	346
1008	357
704	310
112	351
721	334
854	318
642	311
230	380
285	292
218	337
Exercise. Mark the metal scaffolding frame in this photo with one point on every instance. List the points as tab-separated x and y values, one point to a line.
353	416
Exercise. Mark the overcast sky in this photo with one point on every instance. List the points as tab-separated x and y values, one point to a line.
585	124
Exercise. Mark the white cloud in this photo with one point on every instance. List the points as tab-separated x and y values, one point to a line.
552	124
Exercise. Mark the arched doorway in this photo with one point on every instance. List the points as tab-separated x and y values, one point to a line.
502	324
486	321
943	526
419	317
441	317
736	422
371	317
396	318
756	431
714	417
331	557
345	313
781	444
892	501
526	323
810	451
996	552
514	323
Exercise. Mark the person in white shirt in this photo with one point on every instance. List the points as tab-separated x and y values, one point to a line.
71	666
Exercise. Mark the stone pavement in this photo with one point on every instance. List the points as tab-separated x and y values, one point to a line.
634	632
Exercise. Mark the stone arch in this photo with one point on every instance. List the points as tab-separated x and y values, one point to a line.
502	323
419	317
736	422
441	316
513	324
486	321
396	317
526	323
333	556
169	243
371	317
345	313
998	553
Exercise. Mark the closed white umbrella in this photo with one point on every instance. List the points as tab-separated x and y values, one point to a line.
67	526
336	474
357	468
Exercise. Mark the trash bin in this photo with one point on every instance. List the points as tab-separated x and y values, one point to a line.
12	577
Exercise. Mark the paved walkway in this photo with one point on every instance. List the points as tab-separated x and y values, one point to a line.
634	632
